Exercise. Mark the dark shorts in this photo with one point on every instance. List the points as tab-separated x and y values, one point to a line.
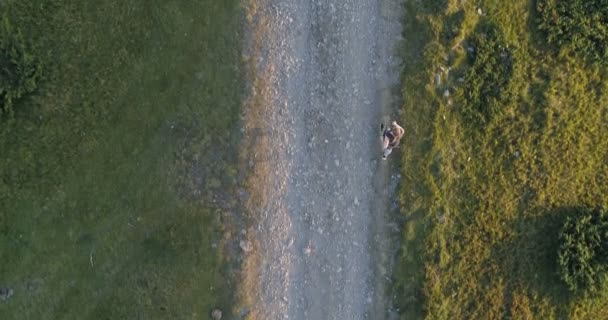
389	135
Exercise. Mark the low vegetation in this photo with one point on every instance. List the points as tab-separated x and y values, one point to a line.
487	79
19	70
583	251
113	177
506	134
579	25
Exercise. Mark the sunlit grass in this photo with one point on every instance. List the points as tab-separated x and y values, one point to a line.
486	201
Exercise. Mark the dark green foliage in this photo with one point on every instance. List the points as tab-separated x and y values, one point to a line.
433	5
583	253
19	70
487	79
579	24
452	26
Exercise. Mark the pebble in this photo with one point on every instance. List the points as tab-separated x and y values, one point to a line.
308	250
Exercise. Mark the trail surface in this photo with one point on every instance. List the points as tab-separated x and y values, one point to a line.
321	79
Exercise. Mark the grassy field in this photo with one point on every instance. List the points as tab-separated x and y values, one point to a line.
493	165
115	172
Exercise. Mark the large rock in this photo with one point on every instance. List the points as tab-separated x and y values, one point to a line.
246	245
5	293
216	314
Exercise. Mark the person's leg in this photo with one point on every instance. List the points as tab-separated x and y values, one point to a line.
386	152
385	143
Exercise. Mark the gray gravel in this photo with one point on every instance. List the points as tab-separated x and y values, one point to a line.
322	228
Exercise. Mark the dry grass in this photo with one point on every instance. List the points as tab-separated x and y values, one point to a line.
256	145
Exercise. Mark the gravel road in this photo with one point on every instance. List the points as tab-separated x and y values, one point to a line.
320	84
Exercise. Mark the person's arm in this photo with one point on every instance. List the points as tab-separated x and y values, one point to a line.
398	134
397	130
401	132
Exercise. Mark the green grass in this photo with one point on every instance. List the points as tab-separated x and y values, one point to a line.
485	199
115	172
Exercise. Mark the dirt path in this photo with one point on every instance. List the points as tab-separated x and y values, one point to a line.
320	83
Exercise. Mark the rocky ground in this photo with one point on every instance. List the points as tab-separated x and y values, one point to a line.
321	75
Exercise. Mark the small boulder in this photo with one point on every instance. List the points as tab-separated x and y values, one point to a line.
441	219
216	314
246	246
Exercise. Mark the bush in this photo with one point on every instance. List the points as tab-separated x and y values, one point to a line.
583	253
452	26
19	71
579	24
487	79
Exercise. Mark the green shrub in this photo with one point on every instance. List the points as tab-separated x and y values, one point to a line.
579	24
452	26
488	76
583	253
19	70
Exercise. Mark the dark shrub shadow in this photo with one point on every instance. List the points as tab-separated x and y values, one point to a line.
538	38
529	259
452	26
488	75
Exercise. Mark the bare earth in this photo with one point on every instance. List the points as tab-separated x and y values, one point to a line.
320	84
